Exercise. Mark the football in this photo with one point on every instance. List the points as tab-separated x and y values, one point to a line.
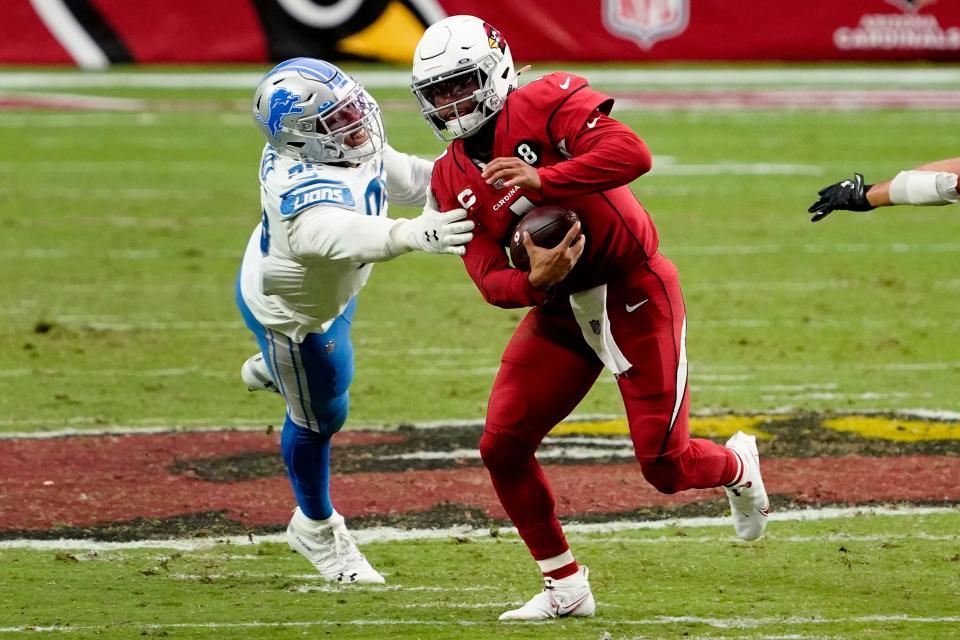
547	225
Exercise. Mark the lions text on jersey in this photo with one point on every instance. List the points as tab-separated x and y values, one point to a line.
312	251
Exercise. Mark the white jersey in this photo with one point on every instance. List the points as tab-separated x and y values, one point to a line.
322	226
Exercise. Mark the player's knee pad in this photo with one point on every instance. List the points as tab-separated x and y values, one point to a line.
331	413
503	453
324	415
666	476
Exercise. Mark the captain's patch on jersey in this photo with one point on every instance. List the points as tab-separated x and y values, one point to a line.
314	192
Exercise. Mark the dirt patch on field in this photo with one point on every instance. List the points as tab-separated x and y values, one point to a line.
802	436
152	486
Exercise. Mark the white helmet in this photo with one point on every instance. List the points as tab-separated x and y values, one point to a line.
310	110
462	73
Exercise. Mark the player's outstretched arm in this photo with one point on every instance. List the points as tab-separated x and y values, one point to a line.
408	177
333	234
934	183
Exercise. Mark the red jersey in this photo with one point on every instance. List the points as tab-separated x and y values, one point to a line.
585	160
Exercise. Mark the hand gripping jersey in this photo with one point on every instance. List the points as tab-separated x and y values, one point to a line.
322	225
585	159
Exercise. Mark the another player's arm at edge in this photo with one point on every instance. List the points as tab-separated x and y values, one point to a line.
934	183
879	194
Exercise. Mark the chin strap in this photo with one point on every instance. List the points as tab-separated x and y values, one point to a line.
361	151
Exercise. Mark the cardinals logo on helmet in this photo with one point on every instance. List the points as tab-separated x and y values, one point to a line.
494	38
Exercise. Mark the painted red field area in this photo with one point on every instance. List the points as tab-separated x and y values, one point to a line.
85	481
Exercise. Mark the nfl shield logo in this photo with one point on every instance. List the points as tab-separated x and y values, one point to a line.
646	21
595	327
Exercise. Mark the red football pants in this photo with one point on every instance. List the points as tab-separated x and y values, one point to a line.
547	369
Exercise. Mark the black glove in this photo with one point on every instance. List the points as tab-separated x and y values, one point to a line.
847	195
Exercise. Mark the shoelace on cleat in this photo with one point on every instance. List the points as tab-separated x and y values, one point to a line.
345	545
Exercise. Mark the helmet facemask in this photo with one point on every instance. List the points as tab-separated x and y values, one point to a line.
459	102
351	129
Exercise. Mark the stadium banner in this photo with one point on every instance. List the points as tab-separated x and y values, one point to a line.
98	33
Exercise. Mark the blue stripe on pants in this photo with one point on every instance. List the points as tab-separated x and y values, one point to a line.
314	378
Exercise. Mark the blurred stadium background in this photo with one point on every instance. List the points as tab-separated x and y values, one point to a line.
128	189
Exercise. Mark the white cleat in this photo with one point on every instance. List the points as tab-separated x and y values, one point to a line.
748	498
570	596
331	549
256	375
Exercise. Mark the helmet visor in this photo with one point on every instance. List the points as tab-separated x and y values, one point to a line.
449	99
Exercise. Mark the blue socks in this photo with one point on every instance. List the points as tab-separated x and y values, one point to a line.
307	456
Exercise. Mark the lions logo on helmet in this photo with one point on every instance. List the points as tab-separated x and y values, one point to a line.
310	110
282	104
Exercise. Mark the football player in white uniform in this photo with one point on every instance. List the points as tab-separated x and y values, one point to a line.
326	175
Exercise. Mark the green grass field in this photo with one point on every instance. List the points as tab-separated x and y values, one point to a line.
122	233
857	578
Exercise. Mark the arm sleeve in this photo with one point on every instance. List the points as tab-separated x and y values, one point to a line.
499	283
335	234
603	153
407	177
606	156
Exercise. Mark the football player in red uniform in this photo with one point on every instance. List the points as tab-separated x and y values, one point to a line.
603	298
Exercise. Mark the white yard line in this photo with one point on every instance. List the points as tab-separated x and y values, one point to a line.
813	366
871	76
72	120
73	101
621	448
390	534
333	588
731	168
864	395
113	254
173	372
748	100
820	248
773	538
153	426
718	623
113	195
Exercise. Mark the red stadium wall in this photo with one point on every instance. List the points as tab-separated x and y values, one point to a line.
96	33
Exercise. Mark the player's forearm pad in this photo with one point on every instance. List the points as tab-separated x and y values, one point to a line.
924	188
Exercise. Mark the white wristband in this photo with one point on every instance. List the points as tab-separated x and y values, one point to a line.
924	188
